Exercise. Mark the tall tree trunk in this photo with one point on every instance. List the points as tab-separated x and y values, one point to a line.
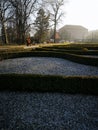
4	34
55	33
55	23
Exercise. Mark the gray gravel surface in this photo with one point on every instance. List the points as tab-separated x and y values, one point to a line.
46	66
48	111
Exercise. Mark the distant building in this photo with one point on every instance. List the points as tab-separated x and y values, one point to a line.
92	36
73	32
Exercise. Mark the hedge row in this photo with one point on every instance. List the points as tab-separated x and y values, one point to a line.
75	55
75	58
80	45
75	47
93	61
39	83
82	51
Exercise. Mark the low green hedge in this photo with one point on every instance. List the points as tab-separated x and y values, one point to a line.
75	47
63	47
81	52
73	57
73	51
39	83
93	61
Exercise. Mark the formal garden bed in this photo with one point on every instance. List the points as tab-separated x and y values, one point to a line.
69	84
52	53
48	100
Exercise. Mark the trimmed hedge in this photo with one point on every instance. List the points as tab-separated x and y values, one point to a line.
93	61
67	84
41	83
73	57
73	51
74	47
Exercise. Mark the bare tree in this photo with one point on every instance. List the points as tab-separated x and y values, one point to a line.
5	15
55	13
22	9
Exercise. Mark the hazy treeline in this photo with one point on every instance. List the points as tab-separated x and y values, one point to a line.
19	17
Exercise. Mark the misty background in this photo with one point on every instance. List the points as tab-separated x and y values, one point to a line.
47	21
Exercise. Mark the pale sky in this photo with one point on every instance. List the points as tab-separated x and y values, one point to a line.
81	12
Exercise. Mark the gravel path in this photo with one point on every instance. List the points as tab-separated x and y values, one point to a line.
48	111
50	66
